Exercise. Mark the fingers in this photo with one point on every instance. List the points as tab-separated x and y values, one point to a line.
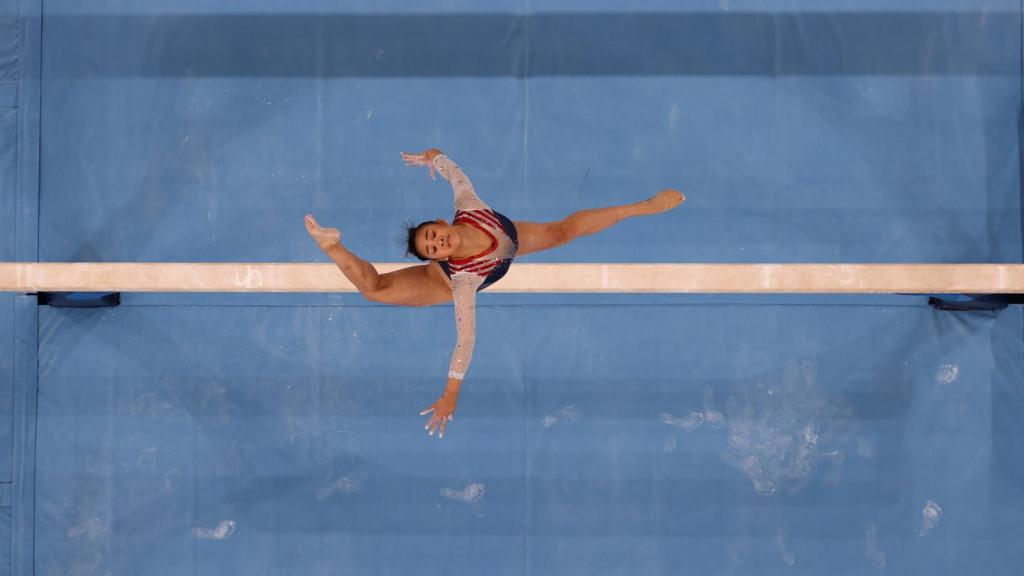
436	422
416	159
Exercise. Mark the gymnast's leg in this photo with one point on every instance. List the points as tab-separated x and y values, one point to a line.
413	286
534	237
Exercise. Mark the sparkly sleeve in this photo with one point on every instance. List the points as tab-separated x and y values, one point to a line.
464	285
465	196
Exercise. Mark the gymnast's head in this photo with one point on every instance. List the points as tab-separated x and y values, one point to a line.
432	240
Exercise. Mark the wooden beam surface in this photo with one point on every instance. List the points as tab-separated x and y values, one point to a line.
523	278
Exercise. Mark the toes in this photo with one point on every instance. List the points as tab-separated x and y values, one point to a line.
673	198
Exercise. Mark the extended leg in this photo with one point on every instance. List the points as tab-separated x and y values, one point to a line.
413	286
358	271
534	237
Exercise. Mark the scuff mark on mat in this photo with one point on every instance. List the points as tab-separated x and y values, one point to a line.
947	373
777	434
566	414
223	531
780	542
345	485
471	493
709	415
93	528
874	555
930	515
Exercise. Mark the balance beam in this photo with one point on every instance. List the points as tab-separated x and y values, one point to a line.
565	278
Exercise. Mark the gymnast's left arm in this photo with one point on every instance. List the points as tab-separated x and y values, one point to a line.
464	287
465	195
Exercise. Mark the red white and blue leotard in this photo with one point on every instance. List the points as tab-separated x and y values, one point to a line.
491	264
470	275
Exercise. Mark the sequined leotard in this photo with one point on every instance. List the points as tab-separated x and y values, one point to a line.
470	275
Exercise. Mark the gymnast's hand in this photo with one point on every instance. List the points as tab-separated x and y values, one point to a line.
443	413
424	159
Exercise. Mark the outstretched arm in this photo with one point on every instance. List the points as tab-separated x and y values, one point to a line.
465	195
464	287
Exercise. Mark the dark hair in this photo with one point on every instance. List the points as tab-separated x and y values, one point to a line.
411	231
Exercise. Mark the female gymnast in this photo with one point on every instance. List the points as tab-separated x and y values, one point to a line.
466	256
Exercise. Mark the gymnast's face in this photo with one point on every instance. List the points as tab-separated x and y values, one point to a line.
437	240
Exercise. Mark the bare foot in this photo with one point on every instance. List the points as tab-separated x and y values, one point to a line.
325	237
664	201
